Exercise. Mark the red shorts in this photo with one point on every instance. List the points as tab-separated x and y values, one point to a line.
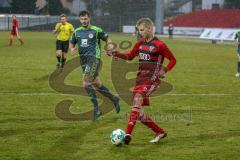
145	89
13	33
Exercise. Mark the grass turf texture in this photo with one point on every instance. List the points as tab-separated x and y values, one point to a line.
201	114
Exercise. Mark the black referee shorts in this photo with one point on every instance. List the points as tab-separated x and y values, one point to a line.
62	45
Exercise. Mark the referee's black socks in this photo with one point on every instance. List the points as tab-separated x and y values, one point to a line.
63	60
58	58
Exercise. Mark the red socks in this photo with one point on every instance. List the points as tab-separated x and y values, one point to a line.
147	121
133	119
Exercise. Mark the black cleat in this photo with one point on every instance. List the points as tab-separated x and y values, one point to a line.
62	67
127	139
62	64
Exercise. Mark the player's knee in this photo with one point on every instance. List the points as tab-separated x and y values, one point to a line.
143	117
96	85
138	99
88	79
136	108
85	83
58	53
64	54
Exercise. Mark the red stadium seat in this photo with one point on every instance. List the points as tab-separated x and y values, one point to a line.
216	18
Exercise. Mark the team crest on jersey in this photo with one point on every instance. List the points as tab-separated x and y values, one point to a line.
151	48
90	36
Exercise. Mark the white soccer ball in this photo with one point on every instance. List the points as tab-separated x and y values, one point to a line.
117	136
237	75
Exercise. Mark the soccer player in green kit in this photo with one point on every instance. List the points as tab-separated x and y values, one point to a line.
88	37
237	38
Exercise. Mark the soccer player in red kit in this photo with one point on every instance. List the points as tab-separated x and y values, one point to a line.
151	53
14	31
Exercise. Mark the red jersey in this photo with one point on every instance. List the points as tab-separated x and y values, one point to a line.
151	56
15	25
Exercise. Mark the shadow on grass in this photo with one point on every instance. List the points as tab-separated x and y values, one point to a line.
73	142
41	79
15	132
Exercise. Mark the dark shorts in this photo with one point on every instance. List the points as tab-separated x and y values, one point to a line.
238	50
62	45
91	65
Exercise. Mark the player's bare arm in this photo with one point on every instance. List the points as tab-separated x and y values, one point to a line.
72	48
126	56
57	28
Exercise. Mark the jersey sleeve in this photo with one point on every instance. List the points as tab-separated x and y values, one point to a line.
102	35
57	26
130	55
73	39
71	28
167	54
17	25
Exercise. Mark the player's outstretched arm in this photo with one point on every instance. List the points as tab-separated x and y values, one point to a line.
57	28
126	56
54	31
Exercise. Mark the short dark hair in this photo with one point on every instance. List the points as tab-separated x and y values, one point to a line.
63	15
84	13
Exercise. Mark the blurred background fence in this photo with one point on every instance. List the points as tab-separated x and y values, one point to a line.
188	17
32	22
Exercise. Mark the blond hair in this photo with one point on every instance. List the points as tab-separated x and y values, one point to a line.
146	22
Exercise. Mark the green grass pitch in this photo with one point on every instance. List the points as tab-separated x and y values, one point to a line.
201	113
